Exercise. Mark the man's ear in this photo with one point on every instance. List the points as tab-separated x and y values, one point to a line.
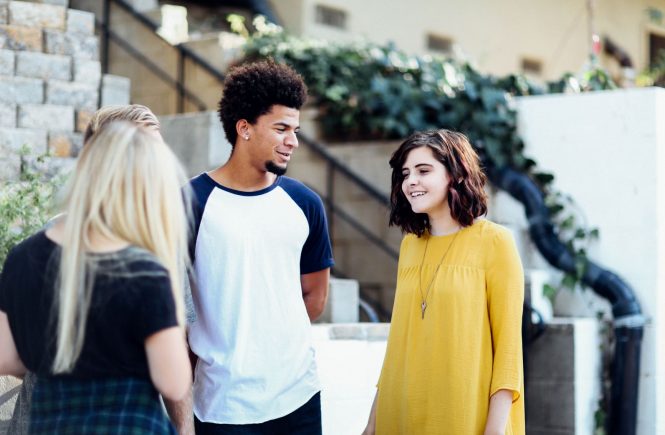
242	129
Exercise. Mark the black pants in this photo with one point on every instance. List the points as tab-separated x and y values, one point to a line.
305	420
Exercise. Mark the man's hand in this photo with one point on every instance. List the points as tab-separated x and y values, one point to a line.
182	414
315	292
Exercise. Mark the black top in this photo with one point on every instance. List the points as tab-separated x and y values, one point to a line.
131	299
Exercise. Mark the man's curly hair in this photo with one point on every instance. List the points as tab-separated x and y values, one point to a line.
250	90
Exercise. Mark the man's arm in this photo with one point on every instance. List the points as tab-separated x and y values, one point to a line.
181	414
315	292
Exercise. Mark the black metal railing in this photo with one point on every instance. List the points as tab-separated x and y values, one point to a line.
178	83
336	172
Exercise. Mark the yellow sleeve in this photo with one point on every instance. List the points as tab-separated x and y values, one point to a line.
505	297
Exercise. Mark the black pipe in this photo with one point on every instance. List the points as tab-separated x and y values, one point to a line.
628	318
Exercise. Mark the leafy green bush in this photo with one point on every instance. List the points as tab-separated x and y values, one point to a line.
25	205
654	75
370	91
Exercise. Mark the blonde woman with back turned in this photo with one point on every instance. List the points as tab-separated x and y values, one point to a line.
93	305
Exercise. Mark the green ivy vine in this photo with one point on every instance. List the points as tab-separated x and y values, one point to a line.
368	91
25	204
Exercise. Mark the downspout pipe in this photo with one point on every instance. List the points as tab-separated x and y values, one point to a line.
628	319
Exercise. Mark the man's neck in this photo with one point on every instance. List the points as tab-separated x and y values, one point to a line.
238	175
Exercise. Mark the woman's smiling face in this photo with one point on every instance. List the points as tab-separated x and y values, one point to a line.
425	182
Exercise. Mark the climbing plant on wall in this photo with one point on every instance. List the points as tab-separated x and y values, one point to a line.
370	91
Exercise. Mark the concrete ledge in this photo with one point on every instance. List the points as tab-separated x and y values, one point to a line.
343	302
563	384
349	370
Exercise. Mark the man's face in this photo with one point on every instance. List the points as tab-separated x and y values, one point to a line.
272	139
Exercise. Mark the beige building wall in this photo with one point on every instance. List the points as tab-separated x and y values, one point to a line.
495	35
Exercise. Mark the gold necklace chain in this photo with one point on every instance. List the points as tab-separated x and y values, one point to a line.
423	300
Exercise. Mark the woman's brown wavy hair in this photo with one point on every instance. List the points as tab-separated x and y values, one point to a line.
466	194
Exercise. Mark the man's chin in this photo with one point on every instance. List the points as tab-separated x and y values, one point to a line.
275	169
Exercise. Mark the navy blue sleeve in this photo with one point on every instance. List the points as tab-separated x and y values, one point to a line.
316	253
201	187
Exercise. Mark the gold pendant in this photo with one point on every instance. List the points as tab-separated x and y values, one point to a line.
423	307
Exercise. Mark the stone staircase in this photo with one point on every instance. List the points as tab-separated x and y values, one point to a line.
163	36
50	81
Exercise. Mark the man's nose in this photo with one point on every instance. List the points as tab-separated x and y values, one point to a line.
291	140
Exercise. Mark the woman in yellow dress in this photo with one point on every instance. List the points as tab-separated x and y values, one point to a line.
453	363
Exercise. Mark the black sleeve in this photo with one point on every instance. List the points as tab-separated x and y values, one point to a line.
155	308
5	283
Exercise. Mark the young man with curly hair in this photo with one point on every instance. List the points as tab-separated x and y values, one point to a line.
262	258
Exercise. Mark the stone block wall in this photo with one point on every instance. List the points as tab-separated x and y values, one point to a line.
51	81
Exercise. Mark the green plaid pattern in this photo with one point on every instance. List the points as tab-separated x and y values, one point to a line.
101	407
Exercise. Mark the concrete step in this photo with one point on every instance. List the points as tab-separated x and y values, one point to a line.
220	49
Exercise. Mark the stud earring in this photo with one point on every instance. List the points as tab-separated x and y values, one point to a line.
247	137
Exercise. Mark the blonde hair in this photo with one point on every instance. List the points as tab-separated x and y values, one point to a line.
131	112
127	186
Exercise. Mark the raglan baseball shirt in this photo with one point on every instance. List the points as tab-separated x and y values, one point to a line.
252	333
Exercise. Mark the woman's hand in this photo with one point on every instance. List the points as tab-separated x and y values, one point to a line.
370	429
10	362
497	416
168	362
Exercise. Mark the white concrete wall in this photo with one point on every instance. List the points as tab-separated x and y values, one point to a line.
607	150
349	359
197	139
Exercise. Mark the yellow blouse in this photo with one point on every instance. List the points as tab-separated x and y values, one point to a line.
440	372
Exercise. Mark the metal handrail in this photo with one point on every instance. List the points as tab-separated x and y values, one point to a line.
338	165
182	50
376	306
185	51
376	240
369	310
153	67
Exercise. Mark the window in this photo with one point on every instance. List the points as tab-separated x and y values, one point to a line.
331	16
531	66
441	44
657	55
656	45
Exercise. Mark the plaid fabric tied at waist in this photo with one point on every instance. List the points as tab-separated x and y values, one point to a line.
107	406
